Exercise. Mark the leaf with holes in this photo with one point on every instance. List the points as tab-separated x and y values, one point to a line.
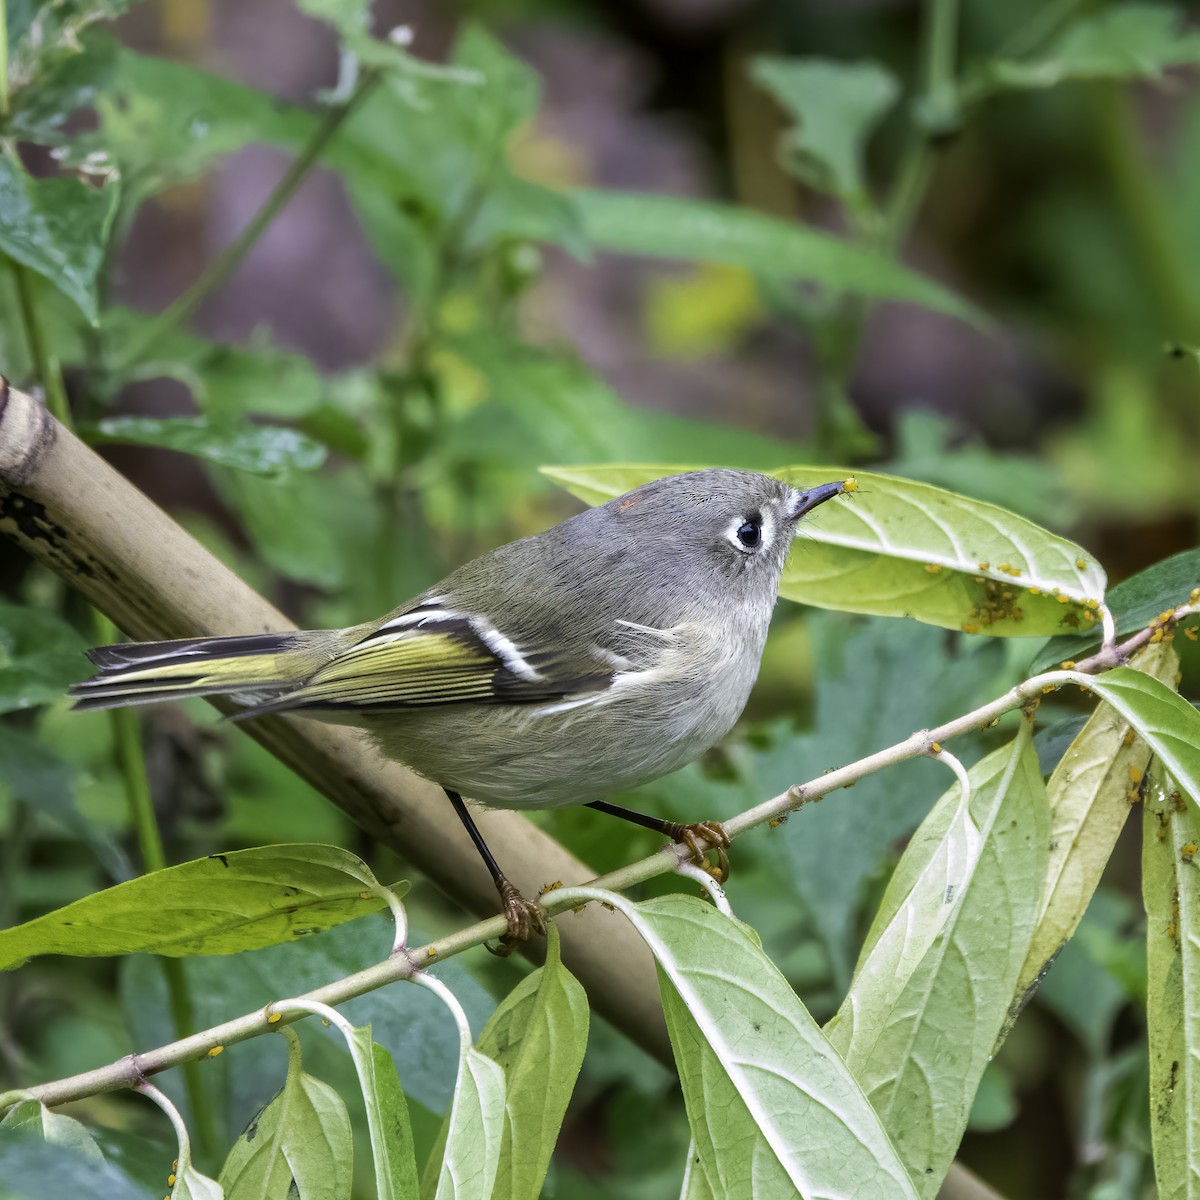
58	228
901	548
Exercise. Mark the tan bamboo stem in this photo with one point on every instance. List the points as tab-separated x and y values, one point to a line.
64	505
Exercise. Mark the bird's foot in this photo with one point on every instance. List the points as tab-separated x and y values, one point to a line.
524	917
718	840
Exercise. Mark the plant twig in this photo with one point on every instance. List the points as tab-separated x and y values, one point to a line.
128	1071
45	368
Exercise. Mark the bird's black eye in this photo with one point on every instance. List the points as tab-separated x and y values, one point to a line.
750	533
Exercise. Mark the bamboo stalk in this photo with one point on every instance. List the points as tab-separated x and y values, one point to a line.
65	506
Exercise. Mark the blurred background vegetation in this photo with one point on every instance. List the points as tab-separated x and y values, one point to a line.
443	306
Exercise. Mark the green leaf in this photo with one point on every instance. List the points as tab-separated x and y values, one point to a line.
474	1130
1089	795
58	228
66	83
834	107
299	524
1134	603
40	656
41	779
221	904
695	1182
537	1035
33	1169
677	228
1126	41
901	548
42	35
299	1147
1171	892
259	449
440	168
387	1117
1168	724
163	122
773	1109
522	407
937	973
227	382
33	1117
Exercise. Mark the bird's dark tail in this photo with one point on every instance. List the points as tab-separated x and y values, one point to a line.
251	669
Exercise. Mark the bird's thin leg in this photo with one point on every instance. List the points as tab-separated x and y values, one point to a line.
711	831
524	916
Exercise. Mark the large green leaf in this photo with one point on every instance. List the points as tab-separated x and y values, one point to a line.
474	1131
57	227
1167	723
706	231
537	1035
299	1147
773	1109
258	449
1134	603
1171	891
387	1116
902	548
936	977
1089	795
216	905
834	107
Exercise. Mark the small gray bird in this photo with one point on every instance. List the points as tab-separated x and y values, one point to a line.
555	670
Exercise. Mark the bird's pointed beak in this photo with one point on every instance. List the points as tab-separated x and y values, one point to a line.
805	502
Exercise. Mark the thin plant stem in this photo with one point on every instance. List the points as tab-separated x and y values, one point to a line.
128	1072
228	261
45	366
938	107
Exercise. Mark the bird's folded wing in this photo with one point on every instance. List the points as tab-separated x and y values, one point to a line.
435	655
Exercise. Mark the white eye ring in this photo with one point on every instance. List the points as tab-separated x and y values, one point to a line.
740	538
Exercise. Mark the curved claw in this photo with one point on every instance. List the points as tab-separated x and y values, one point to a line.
525	918
713	832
